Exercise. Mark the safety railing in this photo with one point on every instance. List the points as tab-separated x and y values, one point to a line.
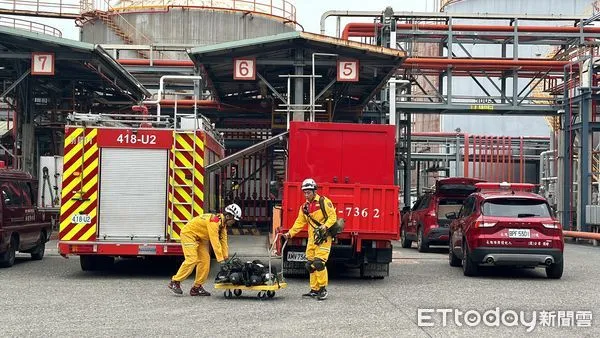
58	8
29	26
278	8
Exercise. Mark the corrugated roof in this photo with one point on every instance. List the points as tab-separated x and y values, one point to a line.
291	36
106	71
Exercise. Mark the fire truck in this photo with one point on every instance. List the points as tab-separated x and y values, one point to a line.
354	166
129	187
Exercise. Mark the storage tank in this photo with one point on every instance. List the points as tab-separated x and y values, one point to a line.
497	125
184	22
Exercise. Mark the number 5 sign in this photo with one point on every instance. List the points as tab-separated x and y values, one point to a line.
42	63
244	69
347	70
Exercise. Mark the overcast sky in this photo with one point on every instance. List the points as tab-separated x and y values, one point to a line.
308	13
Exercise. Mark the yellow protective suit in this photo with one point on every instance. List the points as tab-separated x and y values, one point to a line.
196	236
318	278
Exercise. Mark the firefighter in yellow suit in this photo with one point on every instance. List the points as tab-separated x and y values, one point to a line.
319	243
196	236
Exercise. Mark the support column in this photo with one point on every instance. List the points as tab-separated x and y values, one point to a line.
583	189
298	114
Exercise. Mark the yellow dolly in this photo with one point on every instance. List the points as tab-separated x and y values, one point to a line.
264	291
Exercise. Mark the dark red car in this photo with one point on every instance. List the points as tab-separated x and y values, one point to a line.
426	222
506	224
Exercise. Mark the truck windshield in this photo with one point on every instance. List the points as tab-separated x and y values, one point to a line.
515	207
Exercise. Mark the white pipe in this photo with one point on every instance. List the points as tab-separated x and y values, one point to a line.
161	89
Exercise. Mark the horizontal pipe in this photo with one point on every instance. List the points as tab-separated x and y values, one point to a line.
464	64
190	103
581	234
361	27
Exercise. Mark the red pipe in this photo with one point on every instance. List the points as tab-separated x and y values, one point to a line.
581	234
355	27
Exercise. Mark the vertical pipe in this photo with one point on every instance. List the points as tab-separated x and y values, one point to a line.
521	163
466	156
481	148
486	141
510	152
584	166
504	160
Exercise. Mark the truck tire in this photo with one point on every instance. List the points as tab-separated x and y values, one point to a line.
294	269
38	252
422	242
404	242
95	263
7	259
374	270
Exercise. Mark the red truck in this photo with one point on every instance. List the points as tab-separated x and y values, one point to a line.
354	166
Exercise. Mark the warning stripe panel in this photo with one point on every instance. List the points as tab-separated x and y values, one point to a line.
78	221
179	212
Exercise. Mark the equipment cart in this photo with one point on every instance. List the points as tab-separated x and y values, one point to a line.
264	290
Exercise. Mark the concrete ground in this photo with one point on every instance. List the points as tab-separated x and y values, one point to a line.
53	297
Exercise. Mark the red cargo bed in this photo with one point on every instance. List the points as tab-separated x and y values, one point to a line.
369	210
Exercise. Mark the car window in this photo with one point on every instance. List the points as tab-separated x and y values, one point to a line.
446	206
468	207
425	202
27	194
417	203
11	193
516	207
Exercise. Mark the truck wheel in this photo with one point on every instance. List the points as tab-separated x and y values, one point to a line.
88	263
406	243
7	259
555	271
422	243
469	267
38	253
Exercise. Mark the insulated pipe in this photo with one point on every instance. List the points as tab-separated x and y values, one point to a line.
581	234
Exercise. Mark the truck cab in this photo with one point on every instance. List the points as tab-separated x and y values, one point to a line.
22	226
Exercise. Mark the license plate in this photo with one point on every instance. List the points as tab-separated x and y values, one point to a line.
294	256
519	233
81	218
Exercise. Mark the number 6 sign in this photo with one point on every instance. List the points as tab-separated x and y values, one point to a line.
42	63
347	70
244	69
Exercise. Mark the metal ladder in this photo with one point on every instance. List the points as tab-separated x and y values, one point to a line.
183	171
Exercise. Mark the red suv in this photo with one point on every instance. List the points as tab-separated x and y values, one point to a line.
426	223
506	224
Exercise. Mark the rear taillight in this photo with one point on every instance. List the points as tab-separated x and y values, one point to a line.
482	224
553	225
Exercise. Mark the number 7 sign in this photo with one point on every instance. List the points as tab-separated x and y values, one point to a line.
347	70
42	63
244	69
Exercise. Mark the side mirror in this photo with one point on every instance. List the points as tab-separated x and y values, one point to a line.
451	215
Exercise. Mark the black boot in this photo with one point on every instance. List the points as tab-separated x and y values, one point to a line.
311	293
322	294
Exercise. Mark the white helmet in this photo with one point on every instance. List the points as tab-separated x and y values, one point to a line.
309	184
235	210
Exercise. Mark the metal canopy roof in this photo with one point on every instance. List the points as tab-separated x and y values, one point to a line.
79	65
279	55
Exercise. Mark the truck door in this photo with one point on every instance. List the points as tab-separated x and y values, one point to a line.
14	215
133	194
